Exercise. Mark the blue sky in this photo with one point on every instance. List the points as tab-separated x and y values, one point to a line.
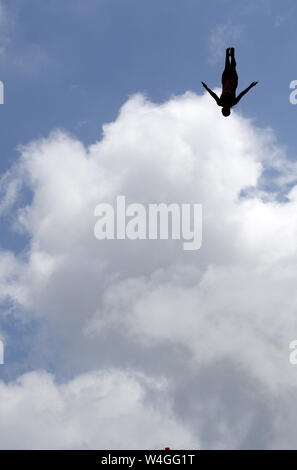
70	307
72	64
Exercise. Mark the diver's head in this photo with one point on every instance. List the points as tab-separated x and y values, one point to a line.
226	111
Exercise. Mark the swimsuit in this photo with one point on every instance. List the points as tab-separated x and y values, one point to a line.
229	87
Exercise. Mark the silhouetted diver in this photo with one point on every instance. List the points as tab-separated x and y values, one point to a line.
228	97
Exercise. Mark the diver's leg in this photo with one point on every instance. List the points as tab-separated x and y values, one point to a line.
233	68
227	66
233	61
227	62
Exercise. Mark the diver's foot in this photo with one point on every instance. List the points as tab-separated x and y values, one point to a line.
232	51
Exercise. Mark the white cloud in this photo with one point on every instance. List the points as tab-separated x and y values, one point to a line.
215	323
106	410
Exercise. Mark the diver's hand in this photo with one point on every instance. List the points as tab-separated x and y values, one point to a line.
253	84
204	84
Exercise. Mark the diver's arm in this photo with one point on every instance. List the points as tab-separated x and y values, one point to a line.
244	92
212	93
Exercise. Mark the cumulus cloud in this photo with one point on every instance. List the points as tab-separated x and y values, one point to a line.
215	324
106	410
